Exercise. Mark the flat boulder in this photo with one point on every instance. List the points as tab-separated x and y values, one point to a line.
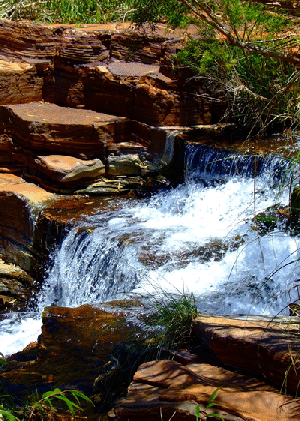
268	349
45	127
165	389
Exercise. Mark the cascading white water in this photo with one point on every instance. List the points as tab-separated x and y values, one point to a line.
199	237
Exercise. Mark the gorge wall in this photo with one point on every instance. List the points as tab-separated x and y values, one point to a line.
86	111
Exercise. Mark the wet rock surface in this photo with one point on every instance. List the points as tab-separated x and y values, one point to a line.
90	347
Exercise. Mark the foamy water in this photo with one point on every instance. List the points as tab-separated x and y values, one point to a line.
198	238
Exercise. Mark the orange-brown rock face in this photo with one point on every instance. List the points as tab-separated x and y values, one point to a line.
76	347
43	127
68	150
268	349
20	203
19	82
168	389
119	71
134	90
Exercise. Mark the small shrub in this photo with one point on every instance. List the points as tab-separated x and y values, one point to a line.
173	317
43	408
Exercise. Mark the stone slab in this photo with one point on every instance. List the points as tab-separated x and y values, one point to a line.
159	387
45	127
268	348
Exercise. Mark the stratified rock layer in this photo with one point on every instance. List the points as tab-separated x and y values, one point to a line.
168	389
19	82
268	349
120	71
66	149
76	347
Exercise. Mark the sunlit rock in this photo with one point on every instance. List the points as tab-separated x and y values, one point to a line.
16	286
168	389
268	349
19	82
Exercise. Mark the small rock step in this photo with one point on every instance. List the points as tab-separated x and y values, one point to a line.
45	127
19	82
65	150
270	347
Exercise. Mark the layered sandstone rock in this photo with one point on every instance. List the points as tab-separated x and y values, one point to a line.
70	150
134	90
19	82
268	349
20	204
42	127
168	389
117	70
89	347
16	286
88	43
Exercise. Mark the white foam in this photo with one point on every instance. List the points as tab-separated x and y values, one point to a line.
158	245
17	334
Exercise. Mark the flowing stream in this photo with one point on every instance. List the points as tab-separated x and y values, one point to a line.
198	238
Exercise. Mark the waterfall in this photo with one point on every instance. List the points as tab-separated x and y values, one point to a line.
209	165
200	237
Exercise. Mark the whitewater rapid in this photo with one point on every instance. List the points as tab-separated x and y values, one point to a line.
198	238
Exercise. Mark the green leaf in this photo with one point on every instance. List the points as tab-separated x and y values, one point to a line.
47	394
71	405
197	412
212	398
7	415
81	395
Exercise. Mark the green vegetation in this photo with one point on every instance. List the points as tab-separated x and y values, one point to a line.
43	408
66	11
173	316
270	219
38	407
210	404
244	48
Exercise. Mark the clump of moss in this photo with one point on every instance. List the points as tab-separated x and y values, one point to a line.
270	219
